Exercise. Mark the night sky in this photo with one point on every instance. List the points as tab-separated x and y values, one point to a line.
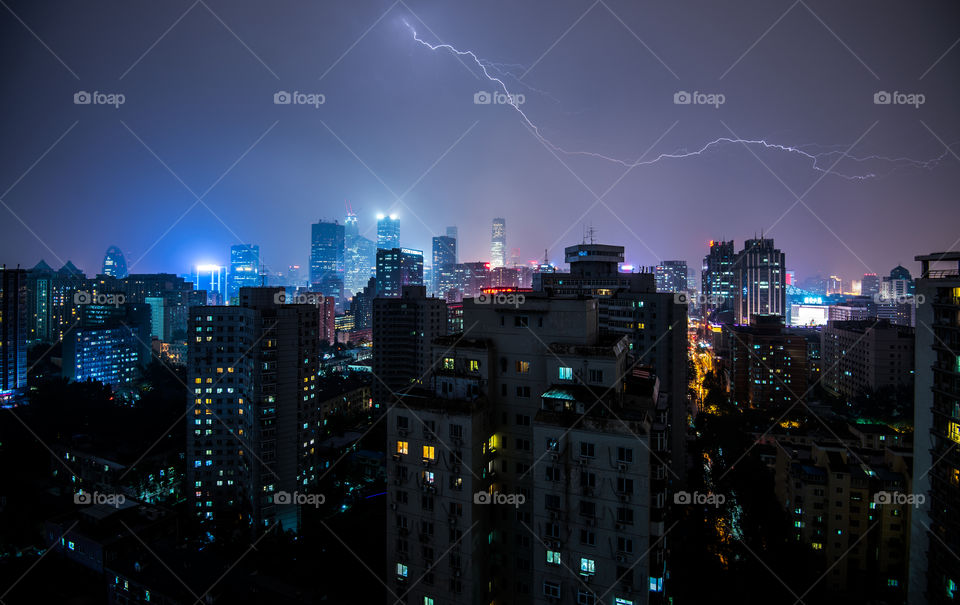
199	119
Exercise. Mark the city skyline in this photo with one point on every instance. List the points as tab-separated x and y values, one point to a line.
264	155
265	335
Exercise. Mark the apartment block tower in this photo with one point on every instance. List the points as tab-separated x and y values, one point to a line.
403	330
630	305
253	415
530	468
935	532
13	333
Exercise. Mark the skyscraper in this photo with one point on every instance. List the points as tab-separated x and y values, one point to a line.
761	280
671	276
13	333
498	243
388	232
327	259
244	268
252	421
718	284
934	537
444	263
396	268
360	256
452	232
213	280
870	286
114	263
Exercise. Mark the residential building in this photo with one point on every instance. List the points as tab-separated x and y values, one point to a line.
13	334
523	461
403	329
934	570
862	357
253	415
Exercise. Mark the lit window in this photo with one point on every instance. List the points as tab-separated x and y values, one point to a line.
448	363
553	557
474	366
588	567
565	373
402	447
429	452
401	570
953	431
523	367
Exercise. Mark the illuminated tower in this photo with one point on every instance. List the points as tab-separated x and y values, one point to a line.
761	280
388	232
498	243
244	268
114	263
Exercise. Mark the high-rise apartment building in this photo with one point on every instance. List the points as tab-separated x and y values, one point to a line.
396	268
13	333
388	232
630	305
862	357
840	502
403	329
253	414
498	243
935	531
244	268
529	473
767	362
760	274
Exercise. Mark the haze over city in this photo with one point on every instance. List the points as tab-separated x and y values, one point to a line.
199	79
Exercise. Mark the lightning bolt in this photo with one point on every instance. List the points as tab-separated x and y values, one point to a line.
815	158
